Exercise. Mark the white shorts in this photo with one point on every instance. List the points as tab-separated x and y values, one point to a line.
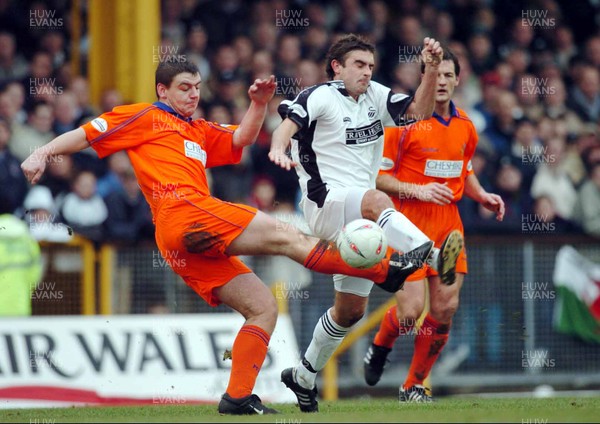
341	206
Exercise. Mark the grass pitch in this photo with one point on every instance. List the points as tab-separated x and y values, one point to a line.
519	410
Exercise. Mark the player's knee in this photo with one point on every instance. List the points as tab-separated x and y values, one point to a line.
444	311
278	242
271	308
264	306
375	202
407	317
348	316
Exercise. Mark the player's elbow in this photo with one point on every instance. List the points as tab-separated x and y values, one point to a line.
240	140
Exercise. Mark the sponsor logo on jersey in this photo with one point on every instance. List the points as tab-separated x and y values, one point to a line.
366	134
194	151
443	168
100	124
386	164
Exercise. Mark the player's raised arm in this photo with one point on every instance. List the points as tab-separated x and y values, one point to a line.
70	142
261	92
280	142
424	99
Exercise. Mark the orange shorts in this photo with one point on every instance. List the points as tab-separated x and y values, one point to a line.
436	222
193	233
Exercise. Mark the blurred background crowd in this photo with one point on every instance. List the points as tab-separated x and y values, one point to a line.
529	80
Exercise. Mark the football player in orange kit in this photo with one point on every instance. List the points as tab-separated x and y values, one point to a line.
170	153
426	167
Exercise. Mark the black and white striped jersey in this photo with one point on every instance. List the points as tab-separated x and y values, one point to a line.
340	140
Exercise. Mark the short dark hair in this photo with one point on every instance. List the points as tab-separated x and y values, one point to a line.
448	55
170	68
343	46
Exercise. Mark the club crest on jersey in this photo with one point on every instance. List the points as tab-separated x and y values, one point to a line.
366	134
372	112
194	151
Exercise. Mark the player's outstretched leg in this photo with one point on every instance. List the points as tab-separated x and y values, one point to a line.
322	255
389	275
447	257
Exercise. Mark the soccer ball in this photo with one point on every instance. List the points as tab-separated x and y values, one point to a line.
362	243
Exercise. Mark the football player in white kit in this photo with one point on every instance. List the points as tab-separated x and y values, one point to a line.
336	135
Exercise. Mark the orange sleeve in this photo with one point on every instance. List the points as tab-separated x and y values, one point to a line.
119	129
219	144
472	145
389	162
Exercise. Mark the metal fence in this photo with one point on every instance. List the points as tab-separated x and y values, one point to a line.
499	324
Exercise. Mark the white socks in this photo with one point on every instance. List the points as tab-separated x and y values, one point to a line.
326	338
402	234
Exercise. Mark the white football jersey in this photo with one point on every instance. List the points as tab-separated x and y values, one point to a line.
340	140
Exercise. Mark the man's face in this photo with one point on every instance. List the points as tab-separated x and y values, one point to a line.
42	118
183	94
446	82
85	185
356	71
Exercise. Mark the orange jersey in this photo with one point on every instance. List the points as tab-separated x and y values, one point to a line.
169	154
433	150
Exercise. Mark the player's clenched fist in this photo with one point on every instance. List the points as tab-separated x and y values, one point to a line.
432	52
33	167
262	90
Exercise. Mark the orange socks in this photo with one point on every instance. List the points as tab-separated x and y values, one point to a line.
428	344
247	356
390	329
326	259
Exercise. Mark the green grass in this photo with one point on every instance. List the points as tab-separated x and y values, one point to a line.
519	410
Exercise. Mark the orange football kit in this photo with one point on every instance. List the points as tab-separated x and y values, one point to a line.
432	151
170	155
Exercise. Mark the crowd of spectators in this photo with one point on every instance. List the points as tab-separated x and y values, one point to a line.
530	81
